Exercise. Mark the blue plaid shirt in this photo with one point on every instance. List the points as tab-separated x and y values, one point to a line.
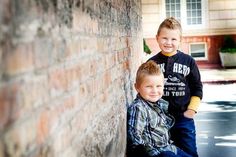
148	125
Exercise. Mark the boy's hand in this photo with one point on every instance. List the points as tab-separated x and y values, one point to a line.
189	113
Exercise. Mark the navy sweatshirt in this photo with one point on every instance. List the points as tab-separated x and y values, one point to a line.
182	80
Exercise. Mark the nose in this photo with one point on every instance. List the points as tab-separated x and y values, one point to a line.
168	41
155	90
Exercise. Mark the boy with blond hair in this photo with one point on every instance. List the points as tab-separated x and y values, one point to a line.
183	86
148	121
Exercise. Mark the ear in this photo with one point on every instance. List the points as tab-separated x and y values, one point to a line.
156	37
136	87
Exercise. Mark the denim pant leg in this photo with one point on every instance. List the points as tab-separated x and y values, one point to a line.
167	154
180	153
184	135
137	151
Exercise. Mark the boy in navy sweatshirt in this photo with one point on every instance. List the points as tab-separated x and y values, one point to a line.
183	86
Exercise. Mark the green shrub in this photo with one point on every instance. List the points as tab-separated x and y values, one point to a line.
146	49
229	45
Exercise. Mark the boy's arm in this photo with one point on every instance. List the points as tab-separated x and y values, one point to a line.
194	103
196	91
194	81
192	107
137	130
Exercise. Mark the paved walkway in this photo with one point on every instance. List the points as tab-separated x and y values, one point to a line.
215	131
218	75
215	121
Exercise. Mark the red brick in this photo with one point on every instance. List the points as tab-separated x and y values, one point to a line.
72	49
18	59
107	79
43	127
42	52
1	149
9	110
57	81
33	93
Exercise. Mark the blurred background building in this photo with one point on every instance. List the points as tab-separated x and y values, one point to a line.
205	24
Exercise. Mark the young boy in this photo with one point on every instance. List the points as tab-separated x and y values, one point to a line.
148	122
183	86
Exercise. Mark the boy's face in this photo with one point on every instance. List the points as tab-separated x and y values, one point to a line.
169	40
151	87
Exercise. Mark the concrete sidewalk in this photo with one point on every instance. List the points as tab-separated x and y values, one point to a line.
212	76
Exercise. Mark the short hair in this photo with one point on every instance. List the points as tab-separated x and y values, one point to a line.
146	69
170	23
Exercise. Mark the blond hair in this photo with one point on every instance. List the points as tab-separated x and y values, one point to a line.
170	23
146	69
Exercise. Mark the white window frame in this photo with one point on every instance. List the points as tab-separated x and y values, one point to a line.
183	6
205	46
174	12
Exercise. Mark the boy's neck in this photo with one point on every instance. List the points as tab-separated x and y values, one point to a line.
169	54
147	100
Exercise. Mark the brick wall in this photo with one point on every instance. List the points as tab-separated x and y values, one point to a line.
66	75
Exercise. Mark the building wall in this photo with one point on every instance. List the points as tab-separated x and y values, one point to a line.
153	14
222	17
66	76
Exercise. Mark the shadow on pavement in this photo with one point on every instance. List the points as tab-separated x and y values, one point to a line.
216	122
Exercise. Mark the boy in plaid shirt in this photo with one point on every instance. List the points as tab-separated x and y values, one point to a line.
148	121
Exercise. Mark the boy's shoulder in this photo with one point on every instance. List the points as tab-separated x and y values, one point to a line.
137	102
163	101
163	104
183	54
156	56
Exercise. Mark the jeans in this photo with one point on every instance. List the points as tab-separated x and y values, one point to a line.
180	153
139	151
183	134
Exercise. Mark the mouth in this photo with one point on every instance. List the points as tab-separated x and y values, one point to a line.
168	47
154	96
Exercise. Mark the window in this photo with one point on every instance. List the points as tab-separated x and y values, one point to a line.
198	50
173	9
189	12
194	12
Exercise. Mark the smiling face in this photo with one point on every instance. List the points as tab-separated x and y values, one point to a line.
151	87
169	40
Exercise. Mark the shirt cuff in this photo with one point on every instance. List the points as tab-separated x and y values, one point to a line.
194	103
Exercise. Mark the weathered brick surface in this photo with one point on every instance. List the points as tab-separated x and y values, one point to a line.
66	76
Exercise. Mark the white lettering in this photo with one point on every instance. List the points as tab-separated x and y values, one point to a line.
166	93
162	66
175	67
181	69
181	88
172	88
178	93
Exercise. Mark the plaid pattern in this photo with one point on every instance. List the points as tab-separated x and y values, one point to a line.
148	125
